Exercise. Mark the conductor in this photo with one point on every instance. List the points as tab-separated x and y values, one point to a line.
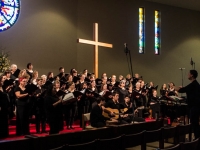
192	91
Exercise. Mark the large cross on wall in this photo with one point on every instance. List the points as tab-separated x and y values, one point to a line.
96	44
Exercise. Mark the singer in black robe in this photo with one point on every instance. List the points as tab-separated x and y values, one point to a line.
53	107
122	91
4	103
23	107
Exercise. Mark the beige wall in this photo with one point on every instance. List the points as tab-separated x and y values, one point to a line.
46	34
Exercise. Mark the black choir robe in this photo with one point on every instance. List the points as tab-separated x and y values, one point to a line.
4	104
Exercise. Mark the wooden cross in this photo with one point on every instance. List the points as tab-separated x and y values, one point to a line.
96	44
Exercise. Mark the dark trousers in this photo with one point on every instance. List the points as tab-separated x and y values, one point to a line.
70	114
80	112
22	125
40	119
3	125
194	119
54	125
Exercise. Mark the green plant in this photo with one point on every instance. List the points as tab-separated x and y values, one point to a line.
4	61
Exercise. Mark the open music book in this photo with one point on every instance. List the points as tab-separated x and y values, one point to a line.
68	97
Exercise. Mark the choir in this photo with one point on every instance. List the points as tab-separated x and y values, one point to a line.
24	94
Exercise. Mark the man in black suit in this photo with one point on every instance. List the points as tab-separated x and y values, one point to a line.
193	99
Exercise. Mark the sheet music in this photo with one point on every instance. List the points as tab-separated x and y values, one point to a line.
68	96
176	98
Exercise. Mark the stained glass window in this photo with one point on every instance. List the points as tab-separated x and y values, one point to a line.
157	32
141	30
9	13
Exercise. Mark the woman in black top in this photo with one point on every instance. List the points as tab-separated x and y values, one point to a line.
163	90
4	104
122	91
22	116
53	105
70	109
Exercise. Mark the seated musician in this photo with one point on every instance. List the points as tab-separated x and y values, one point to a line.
128	109
96	118
153	104
114	104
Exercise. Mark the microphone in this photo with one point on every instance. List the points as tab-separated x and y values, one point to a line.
191	61
125	48
181	68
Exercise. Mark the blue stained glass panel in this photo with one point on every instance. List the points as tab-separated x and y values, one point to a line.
9	13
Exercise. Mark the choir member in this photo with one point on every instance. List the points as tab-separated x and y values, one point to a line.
44	78
130	90
40	116
153	102
172	91
103	89
72	70
61	70
23	73
137	96
69	79
22	116
50	76
70	109
113	80
4	104
103	75
93	87
121	90
29	70
144	92
92	77
75	76
85	72
135	79
14	71
8	88
53	105
121	77
80	82
34	77
163	90
128	80
104	80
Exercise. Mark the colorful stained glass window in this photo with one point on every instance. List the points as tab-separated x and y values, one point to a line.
9	13
157	32
141	31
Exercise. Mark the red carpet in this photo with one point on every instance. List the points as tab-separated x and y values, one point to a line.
12	130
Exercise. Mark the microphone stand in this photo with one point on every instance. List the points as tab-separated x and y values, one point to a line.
127	51
182	77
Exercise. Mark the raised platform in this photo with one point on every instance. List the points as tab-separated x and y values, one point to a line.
45	142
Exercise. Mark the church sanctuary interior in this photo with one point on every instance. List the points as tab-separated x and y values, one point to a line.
68	48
